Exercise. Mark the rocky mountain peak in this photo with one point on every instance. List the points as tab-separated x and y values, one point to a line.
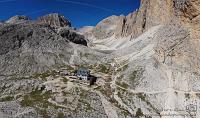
17	18
106	27
55	20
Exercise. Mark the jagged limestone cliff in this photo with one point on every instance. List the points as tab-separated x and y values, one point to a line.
151	13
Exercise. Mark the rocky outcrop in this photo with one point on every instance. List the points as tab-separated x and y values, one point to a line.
29	48
187	10
72	36
189	13
32	47
17	19
54	20
176	11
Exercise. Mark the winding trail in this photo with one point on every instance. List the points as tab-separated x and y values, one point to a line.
116	97
57	104
75	54
108	107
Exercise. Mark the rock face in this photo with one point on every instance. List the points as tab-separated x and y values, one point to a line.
184	11
54	20
133	24
17	19
149	14
72	36
106	28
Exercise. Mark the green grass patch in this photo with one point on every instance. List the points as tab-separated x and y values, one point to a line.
87	105
61	55
35	97
45	74
65	79
6	99
98	88
60	115
123	68
70	68
104	68
122	84
65	93
120	94
39	99
143	98
139	113
125	113
133	76
44	114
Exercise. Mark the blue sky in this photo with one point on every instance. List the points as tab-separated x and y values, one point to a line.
79	12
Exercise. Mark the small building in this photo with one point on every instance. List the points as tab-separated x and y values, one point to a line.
84	74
